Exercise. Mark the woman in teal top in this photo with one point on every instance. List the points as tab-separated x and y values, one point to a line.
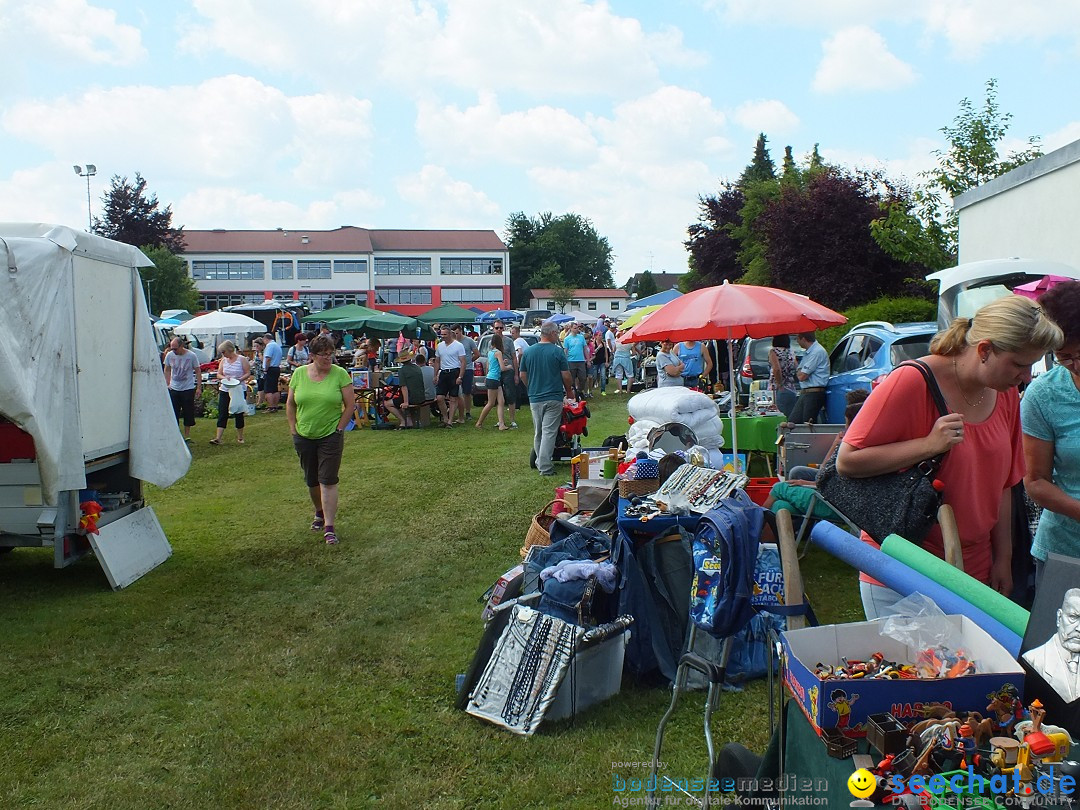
497	363
1050	416
321	403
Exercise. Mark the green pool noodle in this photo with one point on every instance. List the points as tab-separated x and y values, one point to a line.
982	596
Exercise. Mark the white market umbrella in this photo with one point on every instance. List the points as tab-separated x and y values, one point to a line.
582	317
217	323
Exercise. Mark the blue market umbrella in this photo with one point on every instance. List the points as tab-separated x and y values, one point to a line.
559	318
499	315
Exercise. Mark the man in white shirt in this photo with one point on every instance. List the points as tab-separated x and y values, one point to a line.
449	367
465	397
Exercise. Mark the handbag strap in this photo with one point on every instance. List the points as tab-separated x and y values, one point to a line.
939	401
931	384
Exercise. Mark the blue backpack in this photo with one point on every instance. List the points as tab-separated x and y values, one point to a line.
725	553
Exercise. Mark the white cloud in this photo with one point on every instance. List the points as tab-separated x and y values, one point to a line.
484	133
223	128
547	46
444	202
969	26
766	115
669	121
857	58
71	30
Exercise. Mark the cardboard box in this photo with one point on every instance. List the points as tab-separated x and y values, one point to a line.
904	699
594	675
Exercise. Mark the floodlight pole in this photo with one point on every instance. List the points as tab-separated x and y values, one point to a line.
89	172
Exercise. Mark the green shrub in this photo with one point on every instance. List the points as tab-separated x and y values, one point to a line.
893	310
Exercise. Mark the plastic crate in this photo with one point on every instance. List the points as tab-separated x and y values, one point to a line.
15	443
759	488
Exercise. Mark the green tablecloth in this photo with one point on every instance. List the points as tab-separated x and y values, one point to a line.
755	432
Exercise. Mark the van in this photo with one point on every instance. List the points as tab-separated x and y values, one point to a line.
529	317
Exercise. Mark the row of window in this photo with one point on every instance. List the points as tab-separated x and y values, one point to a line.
283	269
590	306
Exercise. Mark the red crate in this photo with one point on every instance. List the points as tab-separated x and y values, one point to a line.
758	489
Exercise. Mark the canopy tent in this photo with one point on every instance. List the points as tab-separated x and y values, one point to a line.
219	323
582	317
448	313
500	315
178	315
338	313
731	312
654	299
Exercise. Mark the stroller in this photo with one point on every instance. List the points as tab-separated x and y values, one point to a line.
574	425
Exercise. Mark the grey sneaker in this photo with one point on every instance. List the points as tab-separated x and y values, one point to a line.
513	424
547	472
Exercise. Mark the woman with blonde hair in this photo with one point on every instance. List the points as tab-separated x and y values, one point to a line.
978	363
233	369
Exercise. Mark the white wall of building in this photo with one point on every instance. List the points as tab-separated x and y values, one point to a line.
1032	212
596	306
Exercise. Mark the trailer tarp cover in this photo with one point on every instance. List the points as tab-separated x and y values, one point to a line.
39	357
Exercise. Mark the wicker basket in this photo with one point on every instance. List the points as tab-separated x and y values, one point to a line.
638	486
538	530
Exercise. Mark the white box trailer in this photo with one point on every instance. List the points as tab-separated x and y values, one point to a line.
84	410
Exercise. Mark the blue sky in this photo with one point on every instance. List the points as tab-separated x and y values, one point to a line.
397	114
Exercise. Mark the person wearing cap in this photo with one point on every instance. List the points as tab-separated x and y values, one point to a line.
412	386
298	353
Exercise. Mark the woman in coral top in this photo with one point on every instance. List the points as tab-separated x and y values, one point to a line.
978	363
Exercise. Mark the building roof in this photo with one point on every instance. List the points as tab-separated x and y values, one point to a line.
585	293
346	239
664	281
436	240
1058	159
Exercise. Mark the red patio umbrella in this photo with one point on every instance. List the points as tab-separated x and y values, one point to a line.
731	312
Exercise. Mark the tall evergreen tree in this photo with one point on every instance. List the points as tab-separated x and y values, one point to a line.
761	167
791	174
130	215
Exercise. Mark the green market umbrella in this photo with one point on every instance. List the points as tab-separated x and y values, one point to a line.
384	325
339	313
448	313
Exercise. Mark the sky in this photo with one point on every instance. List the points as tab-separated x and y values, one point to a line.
312	114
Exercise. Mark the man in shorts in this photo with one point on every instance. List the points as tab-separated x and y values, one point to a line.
271	372
184	380
471	353
449	367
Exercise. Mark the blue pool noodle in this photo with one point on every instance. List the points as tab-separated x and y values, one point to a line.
906	581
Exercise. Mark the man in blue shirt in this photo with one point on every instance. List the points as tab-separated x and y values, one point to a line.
545	371
813	374
574	344
271	370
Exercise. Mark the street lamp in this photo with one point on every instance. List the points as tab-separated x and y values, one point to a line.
89	172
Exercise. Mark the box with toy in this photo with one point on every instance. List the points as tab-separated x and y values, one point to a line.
840	675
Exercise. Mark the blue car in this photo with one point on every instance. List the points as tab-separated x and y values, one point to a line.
867	354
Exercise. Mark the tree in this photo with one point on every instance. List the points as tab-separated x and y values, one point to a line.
130	216
791	175
761	166
569	243
714	251
168	284
646	285
924	228
818	240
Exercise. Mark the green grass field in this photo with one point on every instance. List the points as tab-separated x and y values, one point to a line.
259	668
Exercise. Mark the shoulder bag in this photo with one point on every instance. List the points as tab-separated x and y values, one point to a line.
904	503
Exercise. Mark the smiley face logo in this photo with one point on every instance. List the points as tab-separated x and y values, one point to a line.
862	784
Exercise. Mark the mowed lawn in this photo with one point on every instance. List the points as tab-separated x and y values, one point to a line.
259	668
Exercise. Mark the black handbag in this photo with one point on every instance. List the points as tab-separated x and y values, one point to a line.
904	503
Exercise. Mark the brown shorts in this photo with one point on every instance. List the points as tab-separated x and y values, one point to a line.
320	459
